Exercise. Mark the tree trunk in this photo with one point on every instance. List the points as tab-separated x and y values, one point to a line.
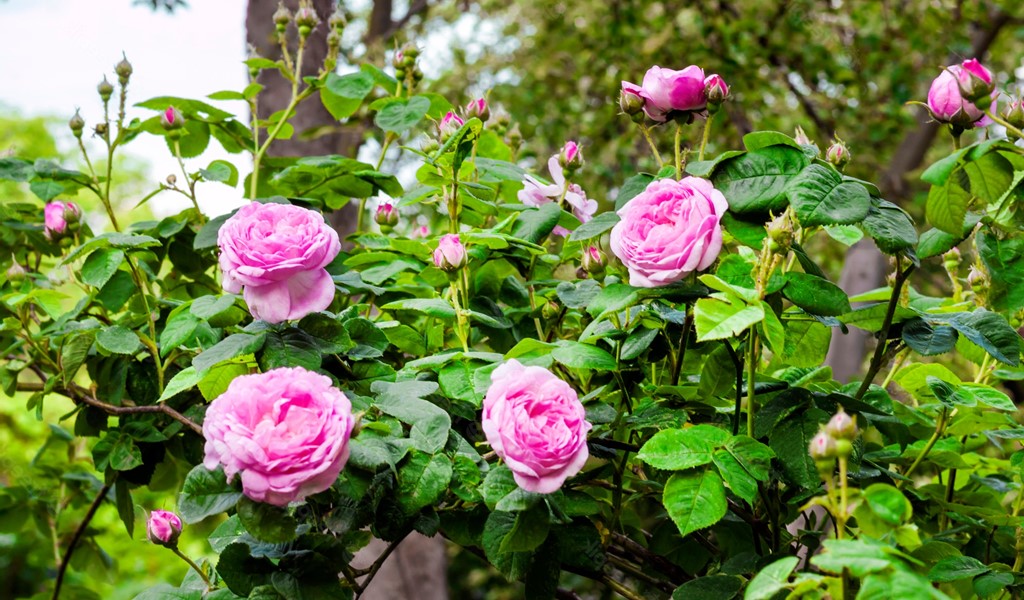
417	569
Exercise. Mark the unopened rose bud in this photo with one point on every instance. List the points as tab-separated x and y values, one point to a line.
386	216
450	123
951	260
282	16
823	446
594	261
631	100
398	60
163	528
950	95
430	146
501	120
514	137
72	214
978	88
550	310
417	75
571	156
57	216
411	51
306	19
172	179
77	124
105	89
478	108
1014	113
15	272
842	426
171	119
100	129
801	137
123	69
421	232
838	154
450	254
780	230
716	91
337	20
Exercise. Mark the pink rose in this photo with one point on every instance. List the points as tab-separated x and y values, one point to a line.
570	156
478	108
163	528
666	91
715	89
946	100
536	424
450	254
286	431
450	123
172	119
386	215
56	217
669	230
278	252
535	193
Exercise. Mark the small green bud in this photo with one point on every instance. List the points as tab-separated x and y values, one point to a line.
16	272
123	69
838	154
77	124
105	89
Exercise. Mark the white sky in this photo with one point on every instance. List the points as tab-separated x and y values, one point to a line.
54	52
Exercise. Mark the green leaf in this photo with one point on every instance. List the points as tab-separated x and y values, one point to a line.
987	395
820	196
180	326
236	344
790	440
717	319
402	114
217	379
343	94
266	522
1004	260
890	226
940	170
709	587
207	236
529	530
205	493
742	463
631	188
242	572
118	340
637	342
953	568
806	342
990	176
695	500
815	295
756	140
678	449
46	190
422	480
595	227
927	339
613	298
101	265
221	171
771	579
513	565
888	503
755	182
857	556
211	307
184	379
946	207
118	451
430	423
291	347
992	332
583	356
73	353
534	224
432	307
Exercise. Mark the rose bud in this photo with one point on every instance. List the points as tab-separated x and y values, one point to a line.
123	69
801	138
57	216
398	60
77	124
16	272
421	232
1014	113
337	20
163	528
571	156
594	261
450	254
716	91
842	426
409	52
282	16
171	119
478	108
386	216
306	19
947	96
838	154
450	123
823	446
631	100
105	89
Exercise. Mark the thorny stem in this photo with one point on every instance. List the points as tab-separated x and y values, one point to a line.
77	536
704	137
679	153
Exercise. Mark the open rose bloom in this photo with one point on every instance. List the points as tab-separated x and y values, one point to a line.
535	193
669	230
285	432
665	91
275	255
535	422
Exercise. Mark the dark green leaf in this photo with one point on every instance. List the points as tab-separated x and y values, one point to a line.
695	499
820	196
266	522
755	182
101	265
205	493
402	114
815	295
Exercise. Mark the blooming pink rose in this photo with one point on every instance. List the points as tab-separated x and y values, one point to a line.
278	252
535	422
163	528
450	254
286	431
666	91
535	193
945	96
669	230
57	215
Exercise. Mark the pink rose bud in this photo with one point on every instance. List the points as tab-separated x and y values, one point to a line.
571	156
57	216
478	108
398	60
275	255
594	261
841	426
535	422
450	254
282	16
838	154
668	91
421	232
950	92
450	123
306	16
631	99
163	528
172	119
1014	113
716	90
386	216
285	431
823	446
801	138
669	230
976	277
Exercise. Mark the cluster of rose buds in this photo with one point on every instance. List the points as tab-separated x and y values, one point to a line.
835	440
666	94
404	62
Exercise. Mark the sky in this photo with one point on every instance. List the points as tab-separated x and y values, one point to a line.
54	52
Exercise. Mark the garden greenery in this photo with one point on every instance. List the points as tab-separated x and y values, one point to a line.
633	396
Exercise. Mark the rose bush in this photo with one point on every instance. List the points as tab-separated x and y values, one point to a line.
655	424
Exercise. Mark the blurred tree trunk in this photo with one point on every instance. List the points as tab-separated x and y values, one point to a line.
417	570
865	267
